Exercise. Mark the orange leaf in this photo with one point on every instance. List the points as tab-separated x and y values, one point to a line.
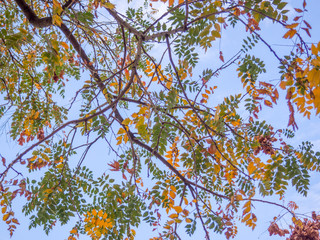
174	215
178	209
14	220
4	209
173	188
5	217
251	168
268	103
100	213
314	50
172	194
291	26
66	46
246	217
94	212
290	33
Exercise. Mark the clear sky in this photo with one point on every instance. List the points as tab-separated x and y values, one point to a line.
308	130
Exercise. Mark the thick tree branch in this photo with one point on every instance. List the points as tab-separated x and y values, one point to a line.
32	17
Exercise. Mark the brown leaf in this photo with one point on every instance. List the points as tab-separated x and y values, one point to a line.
115	165
298	10
212	149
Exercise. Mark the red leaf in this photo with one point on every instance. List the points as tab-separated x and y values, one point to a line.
115	165
221	57
306	23
298	10
124	176
307	31
297	18
131	171
212	149
21	140
3	161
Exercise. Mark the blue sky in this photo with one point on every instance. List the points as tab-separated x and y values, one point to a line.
308	130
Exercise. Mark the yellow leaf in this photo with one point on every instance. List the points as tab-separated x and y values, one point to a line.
217	27
314	50
119	140
177	220
168	84
174	215
56	20
188	220
36	115
105	215
314	77
60	165
121	131
171	2
126	121
216	168
73	231
48	191
178	209
108	5
189	113
293	219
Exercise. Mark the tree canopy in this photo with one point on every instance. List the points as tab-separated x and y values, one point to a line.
126	74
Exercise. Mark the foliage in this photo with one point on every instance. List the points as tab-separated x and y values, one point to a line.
78	73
